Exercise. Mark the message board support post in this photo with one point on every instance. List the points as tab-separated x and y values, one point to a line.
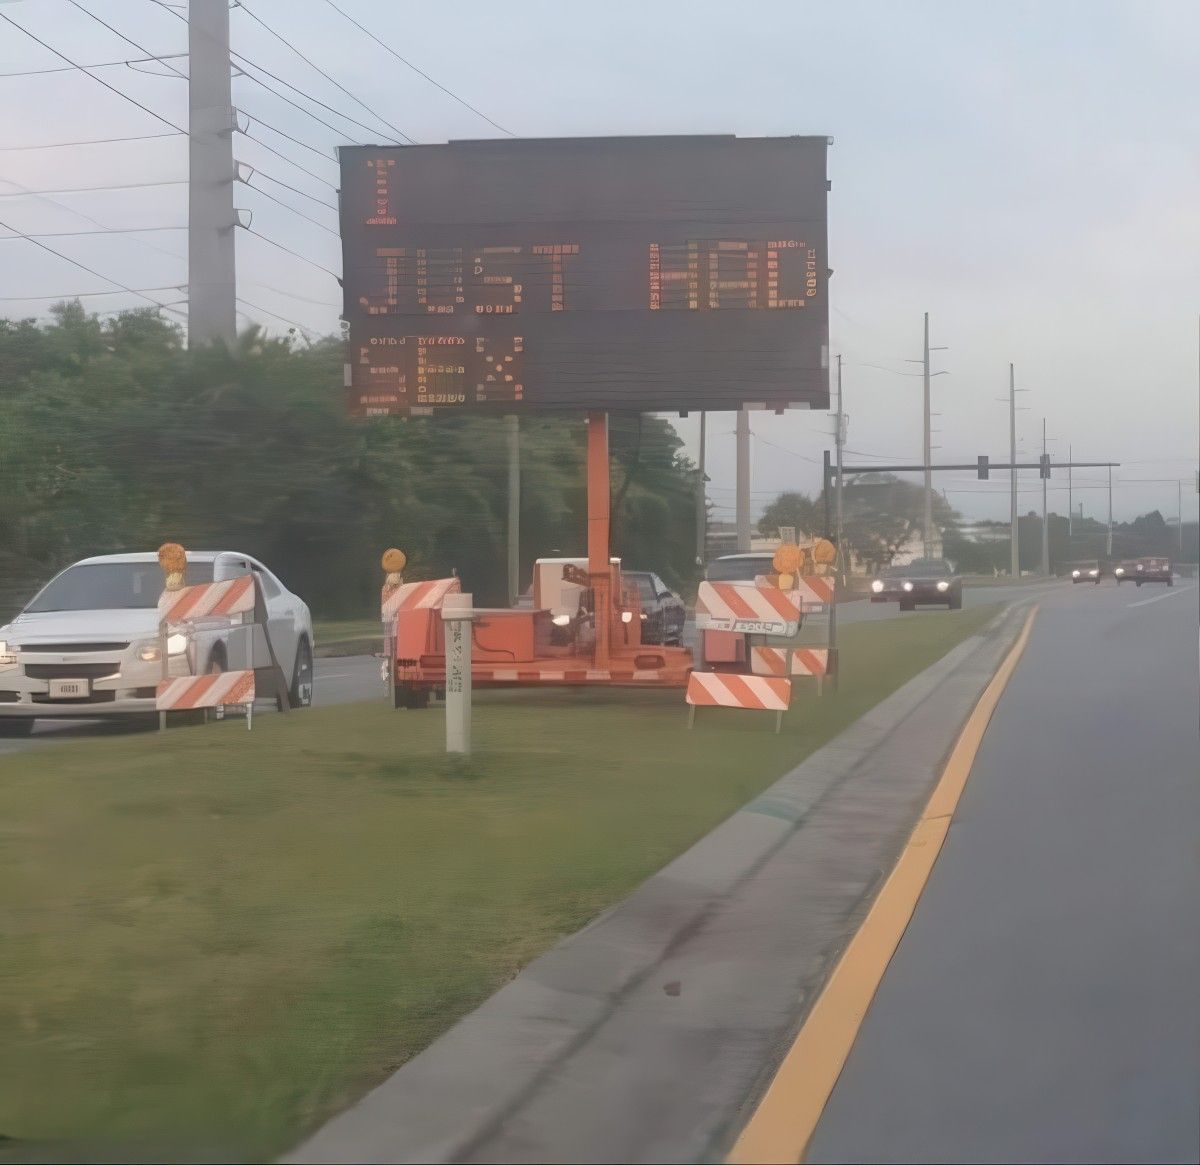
457	614
599	565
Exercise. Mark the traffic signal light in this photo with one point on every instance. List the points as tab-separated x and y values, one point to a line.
983	469
1044	465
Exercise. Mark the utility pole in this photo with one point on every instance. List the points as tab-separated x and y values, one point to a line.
212	287
1015	553
1070	494
512	430
701	507
1108	542
743	481
1045	515
839	441
927	539
1179	511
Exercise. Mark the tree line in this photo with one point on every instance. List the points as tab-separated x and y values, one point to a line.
115	437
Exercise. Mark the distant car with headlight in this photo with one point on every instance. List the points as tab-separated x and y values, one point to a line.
662	611
1086	572
1124	571
87	646
922	582
1153	569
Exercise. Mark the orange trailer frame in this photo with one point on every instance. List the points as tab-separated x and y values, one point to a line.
512	648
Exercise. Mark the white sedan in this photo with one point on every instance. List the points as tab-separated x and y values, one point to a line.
87	646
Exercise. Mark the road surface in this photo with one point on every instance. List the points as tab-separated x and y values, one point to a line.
1043	1002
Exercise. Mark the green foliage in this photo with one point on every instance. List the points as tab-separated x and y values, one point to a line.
792	509
114	437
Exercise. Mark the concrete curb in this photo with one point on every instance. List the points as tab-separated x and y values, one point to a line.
530	1074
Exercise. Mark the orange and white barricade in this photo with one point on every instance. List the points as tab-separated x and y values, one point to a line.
811	593
746	609
710	689
803	661
416	596
230	603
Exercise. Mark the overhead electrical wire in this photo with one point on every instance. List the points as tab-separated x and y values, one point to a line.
100	65
138	137
90	294
289	251
293	189
420	72
99	80
276	315
284	134
91	189
85	267
279	202
312	64
99	231
283	157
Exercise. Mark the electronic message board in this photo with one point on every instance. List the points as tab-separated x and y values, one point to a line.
636	274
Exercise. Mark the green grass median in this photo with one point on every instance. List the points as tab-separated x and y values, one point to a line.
215	939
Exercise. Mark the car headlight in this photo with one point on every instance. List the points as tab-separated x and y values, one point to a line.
644	615
176	644
877	586
1074	574
561	620
1094	573
1120	570
627	616
7	658
149	653
943	585
907	586
1140	566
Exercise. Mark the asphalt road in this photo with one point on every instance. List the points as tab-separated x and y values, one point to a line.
1043	1003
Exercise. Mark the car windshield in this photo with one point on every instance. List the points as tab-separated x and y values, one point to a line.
920	567
645	587
738	569
110	586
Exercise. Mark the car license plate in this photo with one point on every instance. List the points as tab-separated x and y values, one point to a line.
69	689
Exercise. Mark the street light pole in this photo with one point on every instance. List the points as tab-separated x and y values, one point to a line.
1045	515
839	441
1108	542
928	452
1015	551
701	509
1070	494
743	481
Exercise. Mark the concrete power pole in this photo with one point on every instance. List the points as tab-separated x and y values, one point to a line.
212	288
1070	495
512	430
1179	511
743	481
1045	514
927	528
1015	553
840	440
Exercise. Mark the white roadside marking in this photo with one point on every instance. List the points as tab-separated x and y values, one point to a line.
1158	598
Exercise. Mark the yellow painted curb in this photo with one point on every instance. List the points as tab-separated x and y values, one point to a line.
787	1115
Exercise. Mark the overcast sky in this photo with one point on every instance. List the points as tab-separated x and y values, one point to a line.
1028	173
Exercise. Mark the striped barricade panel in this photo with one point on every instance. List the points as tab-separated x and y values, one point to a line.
811	592
207	691
710	689
235	596
746	609
416	596
806	661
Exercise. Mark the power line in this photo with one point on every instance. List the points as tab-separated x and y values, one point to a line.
76	234
90	294
100	65
89	189
312	64
83	69
275	315
283	134
84	267
293	189
289	251
271	150
420	72
139	137
286	206
292	294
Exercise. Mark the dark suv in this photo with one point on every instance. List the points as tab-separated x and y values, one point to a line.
663	612
923	581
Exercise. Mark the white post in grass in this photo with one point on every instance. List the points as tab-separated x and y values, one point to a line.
457	616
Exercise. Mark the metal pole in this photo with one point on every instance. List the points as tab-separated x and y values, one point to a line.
599	486
743	481
701	507
928	526
457	616
212	288
1015	545
1070	494
1179	511
1108	543
1045	515
512	428
840	438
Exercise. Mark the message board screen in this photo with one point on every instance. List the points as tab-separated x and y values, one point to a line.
626	274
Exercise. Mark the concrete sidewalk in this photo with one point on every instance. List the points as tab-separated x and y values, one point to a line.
648	1035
